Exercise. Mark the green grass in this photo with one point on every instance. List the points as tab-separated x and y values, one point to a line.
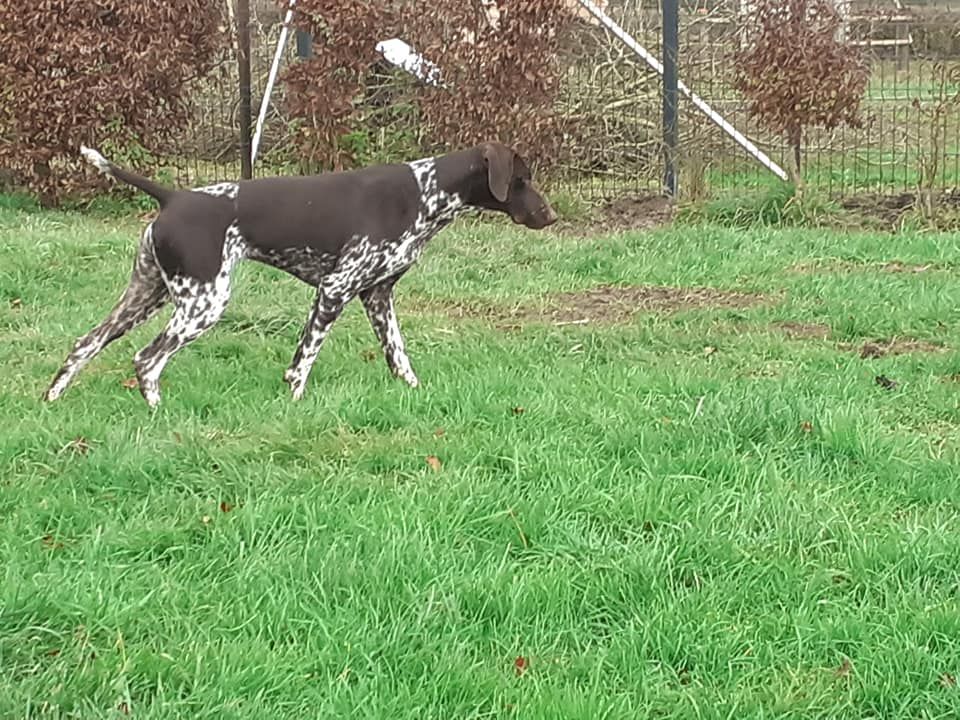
659	533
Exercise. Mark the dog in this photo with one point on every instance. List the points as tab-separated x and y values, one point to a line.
348	234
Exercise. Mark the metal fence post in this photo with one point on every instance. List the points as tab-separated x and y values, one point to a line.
671	42
243	72
304	45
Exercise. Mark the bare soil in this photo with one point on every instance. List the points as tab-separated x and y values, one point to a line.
644	212
892	346
803	330
606	305
894	266
869	349
888	210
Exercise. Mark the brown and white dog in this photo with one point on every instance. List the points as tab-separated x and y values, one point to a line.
348	234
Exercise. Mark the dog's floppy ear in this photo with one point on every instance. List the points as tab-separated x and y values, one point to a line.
499	159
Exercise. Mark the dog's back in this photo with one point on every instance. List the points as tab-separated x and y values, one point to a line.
324	212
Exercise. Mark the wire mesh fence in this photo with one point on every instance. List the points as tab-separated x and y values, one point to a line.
611	101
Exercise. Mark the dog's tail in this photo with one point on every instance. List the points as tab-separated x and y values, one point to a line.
158	192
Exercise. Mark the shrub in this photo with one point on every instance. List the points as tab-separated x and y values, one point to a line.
796	72
95	71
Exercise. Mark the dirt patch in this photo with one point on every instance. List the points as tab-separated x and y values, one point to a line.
641	213
894	266
892	346
898	267
802	330
889	210
606	305
644	212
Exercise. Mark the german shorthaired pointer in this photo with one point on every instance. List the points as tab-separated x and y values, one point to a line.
348	234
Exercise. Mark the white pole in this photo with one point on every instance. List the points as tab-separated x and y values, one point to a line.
701	105
271	79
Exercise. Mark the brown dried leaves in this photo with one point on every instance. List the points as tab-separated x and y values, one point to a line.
501	72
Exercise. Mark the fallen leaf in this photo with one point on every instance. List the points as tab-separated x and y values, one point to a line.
665	420
518	410
130	383
225	506
178	437
806	426
885	382
50	542
947	680
79	445
520	665
369	355
709	350
439	432
844	670
53	652
16	303
434	462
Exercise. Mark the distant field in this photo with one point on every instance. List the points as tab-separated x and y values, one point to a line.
739	501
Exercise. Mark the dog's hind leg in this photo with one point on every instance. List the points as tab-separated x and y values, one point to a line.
144	296
199	305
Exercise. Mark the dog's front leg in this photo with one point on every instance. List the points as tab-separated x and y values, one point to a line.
378	302
326	309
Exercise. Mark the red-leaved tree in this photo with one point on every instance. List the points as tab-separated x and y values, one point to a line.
796	71
105	71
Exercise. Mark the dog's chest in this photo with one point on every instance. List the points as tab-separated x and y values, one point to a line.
305	263
435	214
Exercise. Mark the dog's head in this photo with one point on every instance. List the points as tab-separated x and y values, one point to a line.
511	188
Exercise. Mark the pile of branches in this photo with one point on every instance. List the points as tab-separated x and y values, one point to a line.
106	71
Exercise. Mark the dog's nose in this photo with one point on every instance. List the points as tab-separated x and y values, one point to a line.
550	215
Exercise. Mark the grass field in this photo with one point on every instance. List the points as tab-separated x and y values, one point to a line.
693	512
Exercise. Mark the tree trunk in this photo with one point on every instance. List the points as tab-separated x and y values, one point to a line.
48	194
795	140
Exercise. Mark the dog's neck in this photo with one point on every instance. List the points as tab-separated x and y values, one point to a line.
440	199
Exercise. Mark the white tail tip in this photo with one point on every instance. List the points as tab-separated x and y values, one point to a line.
95	159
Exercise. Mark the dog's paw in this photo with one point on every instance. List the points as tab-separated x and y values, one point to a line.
297	390
297	383
57	387
150	392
